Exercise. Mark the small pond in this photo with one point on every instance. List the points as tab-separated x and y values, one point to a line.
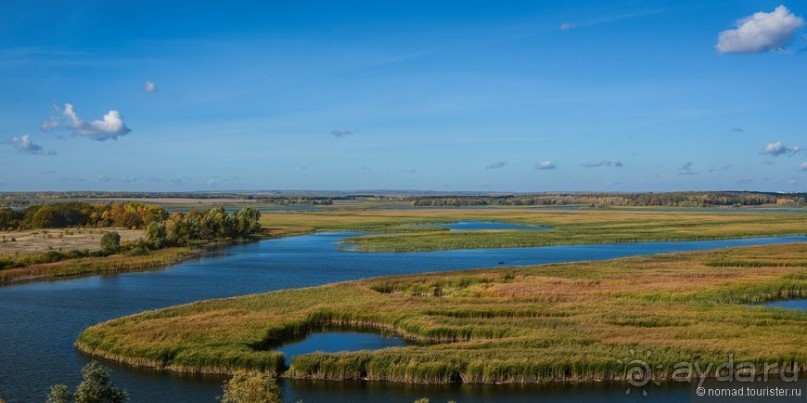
337	341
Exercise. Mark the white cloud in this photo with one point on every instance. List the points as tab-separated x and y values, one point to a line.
602	163
497	165
111	127
803	166
149	86
761	32
24	144
567	26
339	133
545	165
779	148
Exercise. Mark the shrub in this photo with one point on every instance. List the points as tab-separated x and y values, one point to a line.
251	387
110	241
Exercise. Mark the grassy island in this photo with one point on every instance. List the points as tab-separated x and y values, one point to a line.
560	322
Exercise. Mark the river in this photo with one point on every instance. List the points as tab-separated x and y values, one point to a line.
40	321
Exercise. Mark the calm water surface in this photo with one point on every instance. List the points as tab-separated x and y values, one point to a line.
799	304
40	321
336	341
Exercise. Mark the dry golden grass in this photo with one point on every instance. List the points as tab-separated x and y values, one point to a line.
60	239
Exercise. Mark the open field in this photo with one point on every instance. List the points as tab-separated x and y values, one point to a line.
563	322
568	226
60	239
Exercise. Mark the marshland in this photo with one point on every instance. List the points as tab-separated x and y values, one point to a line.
509	322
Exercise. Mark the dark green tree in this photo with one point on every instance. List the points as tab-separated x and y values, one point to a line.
95	387
110	241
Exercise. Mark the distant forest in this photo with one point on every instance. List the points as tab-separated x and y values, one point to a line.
431	199
670	199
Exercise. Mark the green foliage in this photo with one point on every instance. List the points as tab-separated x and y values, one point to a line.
214	224
76	214
95	387
110	241
59	394
251	387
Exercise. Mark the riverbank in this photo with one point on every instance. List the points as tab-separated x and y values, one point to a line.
563	322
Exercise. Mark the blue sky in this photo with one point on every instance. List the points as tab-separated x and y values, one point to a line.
472	95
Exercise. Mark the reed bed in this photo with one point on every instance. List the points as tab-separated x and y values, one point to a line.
551	323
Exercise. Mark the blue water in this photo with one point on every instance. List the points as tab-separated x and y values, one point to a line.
40	321
336	341
488	225
799	304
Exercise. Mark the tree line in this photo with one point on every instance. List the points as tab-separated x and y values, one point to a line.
667	199
80	214
215	224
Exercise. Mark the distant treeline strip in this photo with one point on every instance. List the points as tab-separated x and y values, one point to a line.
671	199
81	214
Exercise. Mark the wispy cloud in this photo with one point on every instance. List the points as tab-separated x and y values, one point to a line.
568	25
411	171
602	163
736	129
760	32
803	166
496	165
25	145
721	168
686	169
778	148
111	127
545	165
339	133
149	86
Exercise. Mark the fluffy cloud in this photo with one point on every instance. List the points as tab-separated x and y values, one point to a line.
602	163
545	165
149	86
111	127
497	165
761	32
339	133
779	148
24	144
